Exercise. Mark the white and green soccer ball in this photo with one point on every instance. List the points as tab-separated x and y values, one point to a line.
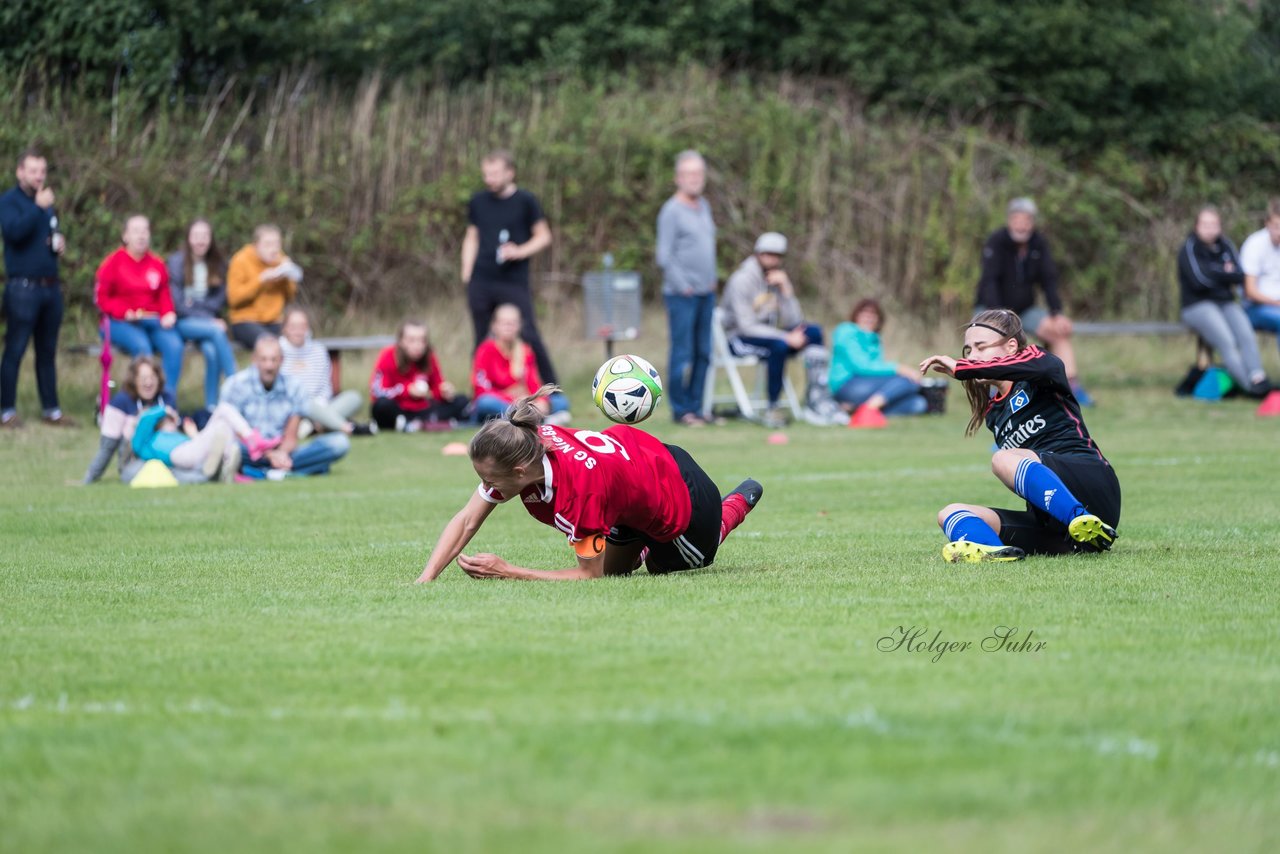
627	389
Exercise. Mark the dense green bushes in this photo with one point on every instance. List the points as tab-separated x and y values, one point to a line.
1184	76
370	184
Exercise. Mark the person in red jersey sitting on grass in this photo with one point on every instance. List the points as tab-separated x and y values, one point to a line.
408	389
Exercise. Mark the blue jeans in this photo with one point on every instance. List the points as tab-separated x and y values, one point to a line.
901	395
219	360
34	310
314	457
489	406
775	352
1265	318
689	319
143	338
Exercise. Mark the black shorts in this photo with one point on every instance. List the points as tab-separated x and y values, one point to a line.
1090	479
696	546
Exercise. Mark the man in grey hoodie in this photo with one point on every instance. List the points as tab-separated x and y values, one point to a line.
762	318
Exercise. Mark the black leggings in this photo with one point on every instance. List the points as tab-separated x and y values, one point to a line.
385	412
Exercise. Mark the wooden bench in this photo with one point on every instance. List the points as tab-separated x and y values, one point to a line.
337	346
1204	353
1141	327
334	346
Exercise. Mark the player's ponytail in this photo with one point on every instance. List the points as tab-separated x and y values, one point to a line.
513	440
525	412
1008	324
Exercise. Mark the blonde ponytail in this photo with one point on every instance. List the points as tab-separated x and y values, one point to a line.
513	440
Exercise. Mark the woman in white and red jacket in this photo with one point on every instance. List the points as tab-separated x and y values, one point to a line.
505	368
409	392
132	292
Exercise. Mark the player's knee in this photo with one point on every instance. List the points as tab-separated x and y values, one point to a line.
1004	461
945	513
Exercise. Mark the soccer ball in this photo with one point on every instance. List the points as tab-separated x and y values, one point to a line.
627	389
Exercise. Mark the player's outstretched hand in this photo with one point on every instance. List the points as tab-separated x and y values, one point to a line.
483	566
941	364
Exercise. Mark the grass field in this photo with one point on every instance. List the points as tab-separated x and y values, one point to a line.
250	668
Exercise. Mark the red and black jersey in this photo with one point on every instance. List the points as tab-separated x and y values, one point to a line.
1039	412
595	482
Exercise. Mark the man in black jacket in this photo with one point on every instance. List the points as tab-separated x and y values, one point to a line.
33	290
1015	259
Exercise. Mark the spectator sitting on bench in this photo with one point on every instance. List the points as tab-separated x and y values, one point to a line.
272	403
862	380
197	280
1260	260
762	318
260	283
505	368
309	364
409	391
1015	260
132	289
1208	271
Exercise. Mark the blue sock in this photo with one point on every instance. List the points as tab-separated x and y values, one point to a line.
1037	483
963	525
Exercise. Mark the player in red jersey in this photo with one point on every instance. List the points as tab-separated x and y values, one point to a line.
621	497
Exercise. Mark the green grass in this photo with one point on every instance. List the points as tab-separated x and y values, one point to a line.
250	668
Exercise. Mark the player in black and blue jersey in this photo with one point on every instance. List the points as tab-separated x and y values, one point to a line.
1044	451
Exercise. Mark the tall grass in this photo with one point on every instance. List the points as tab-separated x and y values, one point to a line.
370	184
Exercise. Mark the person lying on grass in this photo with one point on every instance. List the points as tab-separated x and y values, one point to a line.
621	497
1045	453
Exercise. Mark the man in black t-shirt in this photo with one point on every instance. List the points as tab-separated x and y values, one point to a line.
505	228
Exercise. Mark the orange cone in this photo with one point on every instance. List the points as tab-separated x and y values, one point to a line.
868	418
1270	404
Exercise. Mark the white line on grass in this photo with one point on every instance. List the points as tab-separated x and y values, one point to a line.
865	719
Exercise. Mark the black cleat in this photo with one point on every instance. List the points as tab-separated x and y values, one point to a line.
750	490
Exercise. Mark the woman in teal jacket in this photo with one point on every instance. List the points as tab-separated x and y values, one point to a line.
862	380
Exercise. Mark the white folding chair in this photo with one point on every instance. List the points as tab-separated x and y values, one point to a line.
751	405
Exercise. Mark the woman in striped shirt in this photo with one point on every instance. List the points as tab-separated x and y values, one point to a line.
309	364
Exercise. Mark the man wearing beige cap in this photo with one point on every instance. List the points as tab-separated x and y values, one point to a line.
762	318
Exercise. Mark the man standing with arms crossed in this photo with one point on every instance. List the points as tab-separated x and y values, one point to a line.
33	292
505	228
687	256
